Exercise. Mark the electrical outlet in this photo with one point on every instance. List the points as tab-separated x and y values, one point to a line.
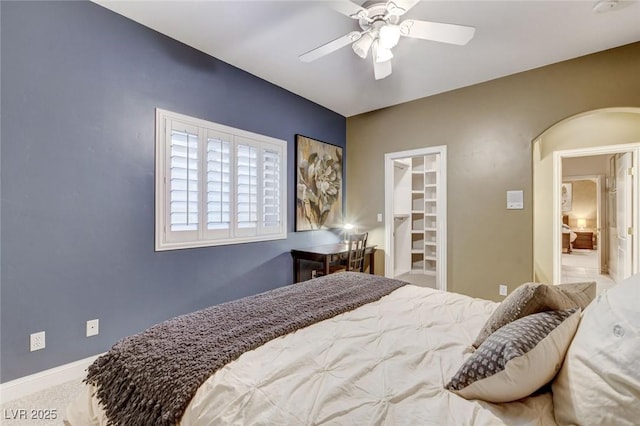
379	217
314	273
503	290
37	341
92	327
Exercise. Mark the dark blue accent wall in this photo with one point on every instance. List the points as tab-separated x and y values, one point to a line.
80	85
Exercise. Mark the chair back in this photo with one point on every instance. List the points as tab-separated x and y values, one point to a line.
355	258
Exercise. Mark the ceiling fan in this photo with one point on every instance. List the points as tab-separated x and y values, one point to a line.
381	31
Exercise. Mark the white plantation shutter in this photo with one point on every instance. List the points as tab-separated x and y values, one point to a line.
184	181
271	181
216	184
219	183
247	187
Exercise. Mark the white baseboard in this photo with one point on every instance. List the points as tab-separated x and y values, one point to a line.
36	382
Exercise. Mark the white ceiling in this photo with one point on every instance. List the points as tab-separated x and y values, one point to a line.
265	38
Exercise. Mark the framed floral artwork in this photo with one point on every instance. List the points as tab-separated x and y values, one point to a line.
318	184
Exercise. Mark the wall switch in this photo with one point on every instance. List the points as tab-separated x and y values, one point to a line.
37	341
503	290
515	200
379	217
92	327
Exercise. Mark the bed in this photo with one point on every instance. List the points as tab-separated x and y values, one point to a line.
389	358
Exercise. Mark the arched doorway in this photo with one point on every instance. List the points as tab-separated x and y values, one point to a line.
604	131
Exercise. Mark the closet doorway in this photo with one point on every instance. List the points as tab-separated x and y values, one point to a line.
415	212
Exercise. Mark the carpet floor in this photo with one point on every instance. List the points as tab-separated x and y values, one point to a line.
31	410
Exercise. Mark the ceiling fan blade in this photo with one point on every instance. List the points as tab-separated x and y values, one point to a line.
380	69
330	47
400	7
350	9
437	31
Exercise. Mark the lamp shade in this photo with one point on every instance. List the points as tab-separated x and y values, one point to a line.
362	46
582	223
389	36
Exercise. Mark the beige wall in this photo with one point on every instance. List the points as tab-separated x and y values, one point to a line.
583	166
488	129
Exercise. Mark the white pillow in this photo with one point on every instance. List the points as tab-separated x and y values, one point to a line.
599	382
517	359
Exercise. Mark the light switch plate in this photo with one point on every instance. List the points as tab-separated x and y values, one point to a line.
515	200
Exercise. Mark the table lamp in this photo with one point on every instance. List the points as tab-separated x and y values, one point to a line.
348	229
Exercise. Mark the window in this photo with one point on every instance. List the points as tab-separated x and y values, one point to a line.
216	185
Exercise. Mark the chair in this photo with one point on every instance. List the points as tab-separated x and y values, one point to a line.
355	254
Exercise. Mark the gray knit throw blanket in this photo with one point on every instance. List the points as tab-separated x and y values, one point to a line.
149	378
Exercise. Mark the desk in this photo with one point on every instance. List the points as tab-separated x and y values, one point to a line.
326	254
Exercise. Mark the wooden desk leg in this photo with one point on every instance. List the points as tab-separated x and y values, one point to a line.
372	262
326	265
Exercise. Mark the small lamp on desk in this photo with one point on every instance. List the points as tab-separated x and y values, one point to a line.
582	223
348	229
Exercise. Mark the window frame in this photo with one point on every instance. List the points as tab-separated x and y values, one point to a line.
165	238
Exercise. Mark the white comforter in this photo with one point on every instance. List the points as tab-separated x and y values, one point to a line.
384	363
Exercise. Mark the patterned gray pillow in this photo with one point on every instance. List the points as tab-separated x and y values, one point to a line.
531	298
517	359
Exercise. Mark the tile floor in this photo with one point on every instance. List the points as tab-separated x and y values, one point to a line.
582	265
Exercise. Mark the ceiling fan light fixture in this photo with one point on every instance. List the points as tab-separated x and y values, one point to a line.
382	29
362	46
389	36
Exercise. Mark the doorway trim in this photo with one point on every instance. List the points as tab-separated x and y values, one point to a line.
557	203
441	218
